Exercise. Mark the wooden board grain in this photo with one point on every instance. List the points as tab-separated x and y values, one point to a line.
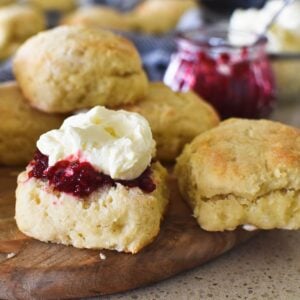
30	269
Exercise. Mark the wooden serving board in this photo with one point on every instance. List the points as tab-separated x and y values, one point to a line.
30	269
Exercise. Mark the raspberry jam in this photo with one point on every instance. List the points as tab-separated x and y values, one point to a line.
80	178
237	81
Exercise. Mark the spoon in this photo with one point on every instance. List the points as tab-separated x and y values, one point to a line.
273	19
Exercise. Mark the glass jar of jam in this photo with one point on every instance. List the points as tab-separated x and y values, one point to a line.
230	70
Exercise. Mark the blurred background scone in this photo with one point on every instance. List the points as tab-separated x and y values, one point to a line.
157	16
20	126
175	118
97	16
74	67
5	2
243	172
17	24
53	5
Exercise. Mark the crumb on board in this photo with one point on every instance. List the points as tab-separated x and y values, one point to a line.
102	256
10	255
249	227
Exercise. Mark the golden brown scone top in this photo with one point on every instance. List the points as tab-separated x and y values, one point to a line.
73	67
18	23
158	16
98	16
20	125
175	118
245	158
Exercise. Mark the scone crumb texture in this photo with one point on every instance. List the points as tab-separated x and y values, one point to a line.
102	256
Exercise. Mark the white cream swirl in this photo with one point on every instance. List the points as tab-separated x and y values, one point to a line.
117	143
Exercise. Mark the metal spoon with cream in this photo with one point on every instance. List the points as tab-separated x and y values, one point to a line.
285	3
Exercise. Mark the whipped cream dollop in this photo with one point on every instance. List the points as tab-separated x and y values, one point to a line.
286	26
116	143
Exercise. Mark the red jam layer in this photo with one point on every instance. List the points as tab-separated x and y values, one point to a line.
80	178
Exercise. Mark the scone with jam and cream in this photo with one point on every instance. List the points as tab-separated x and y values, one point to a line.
93	184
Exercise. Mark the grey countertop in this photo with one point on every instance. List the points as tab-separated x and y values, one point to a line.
266	267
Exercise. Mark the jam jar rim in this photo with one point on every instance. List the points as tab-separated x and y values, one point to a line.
182	37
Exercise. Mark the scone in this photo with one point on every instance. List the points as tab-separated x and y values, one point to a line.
17	24
157	16
74	67
54	5
97	16
20	126
243	172
175	118
6	2
93	184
